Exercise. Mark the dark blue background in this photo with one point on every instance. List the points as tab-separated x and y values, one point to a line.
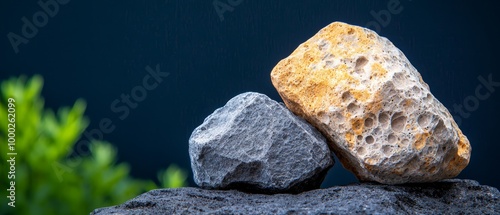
98	50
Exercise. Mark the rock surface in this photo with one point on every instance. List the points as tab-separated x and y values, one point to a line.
256	144
446	197
372	105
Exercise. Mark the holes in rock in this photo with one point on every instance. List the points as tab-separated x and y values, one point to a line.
391	139
360	62
383	118
388	86
368	122
377	131
359	137
386	149
353	108
361	151
324	118
338	118
428	97
398	123
399	80
439	129
415	90
357	125
350	31
370	139
424	119
406	104
346	96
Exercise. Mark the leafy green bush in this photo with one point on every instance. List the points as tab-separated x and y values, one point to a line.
47	179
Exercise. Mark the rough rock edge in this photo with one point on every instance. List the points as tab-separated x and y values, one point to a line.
454	196
206	143
327	85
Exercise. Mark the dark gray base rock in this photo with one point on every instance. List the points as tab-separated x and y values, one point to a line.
452	196
255	144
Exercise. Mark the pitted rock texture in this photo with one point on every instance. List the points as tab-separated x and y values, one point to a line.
372	105
446	197
256	144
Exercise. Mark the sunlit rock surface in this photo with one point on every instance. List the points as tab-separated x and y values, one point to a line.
372	105
257	145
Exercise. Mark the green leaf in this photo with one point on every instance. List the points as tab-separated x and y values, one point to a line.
47	180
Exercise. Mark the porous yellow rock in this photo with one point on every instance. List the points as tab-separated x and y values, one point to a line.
365	96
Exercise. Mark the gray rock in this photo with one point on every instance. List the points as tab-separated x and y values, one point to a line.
255	144
446	197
